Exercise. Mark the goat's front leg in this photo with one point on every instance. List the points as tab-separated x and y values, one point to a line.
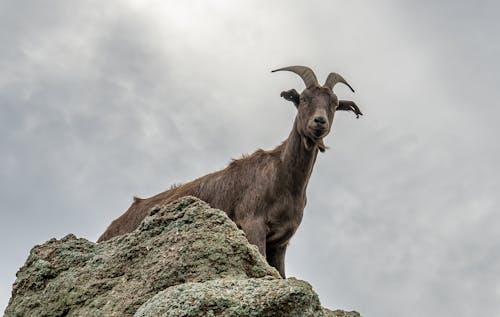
255	231
276	258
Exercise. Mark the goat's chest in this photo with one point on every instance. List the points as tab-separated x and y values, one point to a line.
283	220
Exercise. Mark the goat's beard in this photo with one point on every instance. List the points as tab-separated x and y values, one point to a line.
309	143
321	145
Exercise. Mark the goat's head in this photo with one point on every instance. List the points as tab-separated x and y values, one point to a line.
316	105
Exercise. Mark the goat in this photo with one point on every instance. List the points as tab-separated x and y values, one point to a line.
263	193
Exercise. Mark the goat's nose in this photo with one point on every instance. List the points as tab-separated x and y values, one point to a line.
320	120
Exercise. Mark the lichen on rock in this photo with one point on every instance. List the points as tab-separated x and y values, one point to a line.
185	259
241	297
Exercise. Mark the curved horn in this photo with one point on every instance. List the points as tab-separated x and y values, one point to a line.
333	79
305	73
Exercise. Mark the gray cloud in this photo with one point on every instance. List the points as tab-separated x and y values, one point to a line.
100	102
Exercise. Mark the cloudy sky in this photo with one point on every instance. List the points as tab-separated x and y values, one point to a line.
103	100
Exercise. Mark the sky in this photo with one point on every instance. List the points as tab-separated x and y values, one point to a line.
104	100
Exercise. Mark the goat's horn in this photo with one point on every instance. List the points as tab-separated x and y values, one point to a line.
333	79
305	73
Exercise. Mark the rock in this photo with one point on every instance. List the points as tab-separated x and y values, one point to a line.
244	297
185	259
340	313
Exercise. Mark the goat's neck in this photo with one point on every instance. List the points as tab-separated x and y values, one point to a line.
298	162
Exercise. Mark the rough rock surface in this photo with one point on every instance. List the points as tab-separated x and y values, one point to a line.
185	259
340	313
247	297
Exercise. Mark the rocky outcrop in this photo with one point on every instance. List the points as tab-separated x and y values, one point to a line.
185	259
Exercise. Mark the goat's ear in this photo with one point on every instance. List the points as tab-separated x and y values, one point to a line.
291	95
347	105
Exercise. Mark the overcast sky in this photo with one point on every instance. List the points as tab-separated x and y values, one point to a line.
103	100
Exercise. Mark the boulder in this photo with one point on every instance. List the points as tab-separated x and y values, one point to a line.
185	259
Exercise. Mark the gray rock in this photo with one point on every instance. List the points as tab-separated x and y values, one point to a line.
340	313
185	259
244	297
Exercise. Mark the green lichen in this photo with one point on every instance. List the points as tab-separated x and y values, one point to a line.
244	297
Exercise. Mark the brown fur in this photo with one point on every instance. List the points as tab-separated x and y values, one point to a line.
264	193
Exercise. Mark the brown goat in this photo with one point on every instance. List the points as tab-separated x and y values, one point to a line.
264	193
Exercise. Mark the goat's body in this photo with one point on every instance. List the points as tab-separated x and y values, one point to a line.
264	194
